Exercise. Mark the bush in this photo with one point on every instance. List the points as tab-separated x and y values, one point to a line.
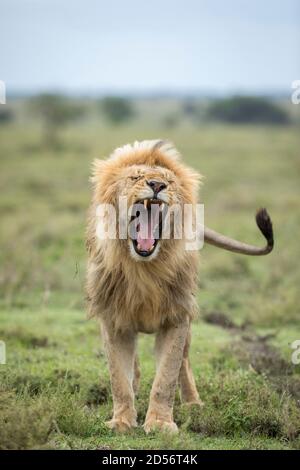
243	109
116	109
241	402
171	120
23	425
6	116
55	112
190	109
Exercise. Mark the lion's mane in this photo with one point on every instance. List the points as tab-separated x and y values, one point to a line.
132	295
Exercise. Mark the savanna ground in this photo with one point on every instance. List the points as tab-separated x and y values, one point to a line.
54	390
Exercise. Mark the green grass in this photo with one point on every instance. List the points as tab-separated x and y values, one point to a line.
54	389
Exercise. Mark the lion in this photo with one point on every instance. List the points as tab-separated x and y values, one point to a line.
148	283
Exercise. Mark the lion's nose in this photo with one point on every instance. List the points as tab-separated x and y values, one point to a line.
156	186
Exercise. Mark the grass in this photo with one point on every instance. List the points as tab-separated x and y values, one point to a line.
54	389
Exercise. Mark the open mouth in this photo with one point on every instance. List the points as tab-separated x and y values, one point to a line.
147	218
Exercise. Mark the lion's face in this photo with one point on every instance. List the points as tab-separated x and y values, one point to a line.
149	191
155	184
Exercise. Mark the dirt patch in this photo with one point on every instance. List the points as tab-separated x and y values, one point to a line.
289	385
293	387
265	359
255	352
38	342
25	338
222	320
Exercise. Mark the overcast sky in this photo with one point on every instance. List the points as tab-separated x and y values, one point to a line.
136	45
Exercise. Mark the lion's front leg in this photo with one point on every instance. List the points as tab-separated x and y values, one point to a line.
169	350
120	351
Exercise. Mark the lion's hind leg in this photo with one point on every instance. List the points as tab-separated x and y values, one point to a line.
137	375
188	389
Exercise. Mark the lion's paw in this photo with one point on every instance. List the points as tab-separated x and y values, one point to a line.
155	424
120	425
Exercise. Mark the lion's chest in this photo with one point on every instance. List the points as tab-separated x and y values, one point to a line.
145	306
146	320
144	301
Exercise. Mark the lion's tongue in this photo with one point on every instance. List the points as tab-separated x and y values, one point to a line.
145	238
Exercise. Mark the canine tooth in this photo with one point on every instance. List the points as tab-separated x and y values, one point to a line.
145	203
152	248
139	247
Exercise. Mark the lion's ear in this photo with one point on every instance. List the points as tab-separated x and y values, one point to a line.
98	168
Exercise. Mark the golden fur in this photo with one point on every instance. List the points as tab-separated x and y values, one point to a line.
131	296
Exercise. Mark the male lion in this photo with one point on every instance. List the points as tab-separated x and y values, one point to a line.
147	283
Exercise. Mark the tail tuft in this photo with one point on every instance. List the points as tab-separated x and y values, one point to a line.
264	224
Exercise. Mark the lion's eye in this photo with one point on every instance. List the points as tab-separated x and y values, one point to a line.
134	178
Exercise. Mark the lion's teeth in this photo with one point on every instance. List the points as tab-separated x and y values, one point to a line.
145	203
162	207
152	248
139	247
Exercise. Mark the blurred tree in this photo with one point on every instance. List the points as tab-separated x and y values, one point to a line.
189	108
171	120
246	109
56	111
6	115
116	109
